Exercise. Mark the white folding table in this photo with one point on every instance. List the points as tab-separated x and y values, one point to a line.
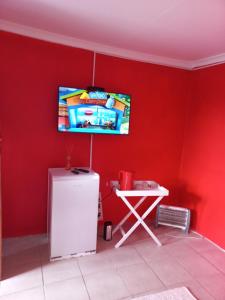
143	189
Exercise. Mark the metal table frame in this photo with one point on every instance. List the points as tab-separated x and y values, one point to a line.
151	189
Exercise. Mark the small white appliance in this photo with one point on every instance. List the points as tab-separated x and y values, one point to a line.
173	216
72	213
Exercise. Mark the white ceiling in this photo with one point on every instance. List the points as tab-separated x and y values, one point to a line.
180	33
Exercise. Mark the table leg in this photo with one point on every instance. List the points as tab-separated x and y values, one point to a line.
128	215
140	220
126	235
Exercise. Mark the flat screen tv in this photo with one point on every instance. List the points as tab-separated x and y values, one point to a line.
94	111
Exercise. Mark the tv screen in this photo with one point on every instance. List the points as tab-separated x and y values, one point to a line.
80	110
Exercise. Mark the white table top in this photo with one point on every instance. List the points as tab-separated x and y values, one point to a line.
141	188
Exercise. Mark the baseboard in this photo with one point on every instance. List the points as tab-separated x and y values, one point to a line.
213	243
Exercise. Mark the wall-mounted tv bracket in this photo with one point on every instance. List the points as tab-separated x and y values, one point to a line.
95	88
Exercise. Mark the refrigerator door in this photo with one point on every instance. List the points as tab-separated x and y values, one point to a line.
74	210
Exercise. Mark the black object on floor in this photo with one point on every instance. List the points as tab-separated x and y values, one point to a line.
107	232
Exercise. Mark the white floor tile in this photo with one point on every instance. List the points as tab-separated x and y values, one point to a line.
169	271
195	288
215	285
139	278
216	257
26	277
196	265
179	248
60	270
11	270
71	289
138	235
105	245
200	244
32	294
148	293
137	267
95	263
124	256
106	285
149	251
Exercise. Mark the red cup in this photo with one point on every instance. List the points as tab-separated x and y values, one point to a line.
125	180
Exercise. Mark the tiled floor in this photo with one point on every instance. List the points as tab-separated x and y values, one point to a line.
138	267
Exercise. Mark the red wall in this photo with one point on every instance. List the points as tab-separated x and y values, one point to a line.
203	171
158	110
31	71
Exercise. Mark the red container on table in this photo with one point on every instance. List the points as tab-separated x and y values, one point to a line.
125	180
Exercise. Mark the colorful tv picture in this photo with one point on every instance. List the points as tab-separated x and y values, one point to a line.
81	110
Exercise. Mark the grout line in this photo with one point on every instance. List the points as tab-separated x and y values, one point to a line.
44	292
217	246
19	291
43	285
194	279
210	241
133	264
221	272
207	260
184	283
186	236
183	267
202	286
132	246
42	275
197	233
124	283
148	264
89	297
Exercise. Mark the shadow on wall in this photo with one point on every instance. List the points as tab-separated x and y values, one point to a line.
185	198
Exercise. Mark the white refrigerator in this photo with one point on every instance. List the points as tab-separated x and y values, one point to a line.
72	213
